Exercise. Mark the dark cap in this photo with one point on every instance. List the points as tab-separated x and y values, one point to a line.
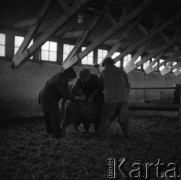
108	61
84	73
70	73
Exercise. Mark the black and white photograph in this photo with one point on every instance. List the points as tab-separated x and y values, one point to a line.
90	89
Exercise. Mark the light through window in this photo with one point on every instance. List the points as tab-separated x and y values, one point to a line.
17	43
49	51
67	48
146	64
137	60
118	63
161	67
126	60
87	59
101	54
2	44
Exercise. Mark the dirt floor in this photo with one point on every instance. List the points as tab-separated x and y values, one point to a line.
27	152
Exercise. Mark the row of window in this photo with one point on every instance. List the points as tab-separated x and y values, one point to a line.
49	53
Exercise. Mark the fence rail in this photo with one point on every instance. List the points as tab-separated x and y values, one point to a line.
157	98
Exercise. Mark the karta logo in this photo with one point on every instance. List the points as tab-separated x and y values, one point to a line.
122	168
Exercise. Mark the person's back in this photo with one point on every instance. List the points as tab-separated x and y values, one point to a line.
115	84
57	81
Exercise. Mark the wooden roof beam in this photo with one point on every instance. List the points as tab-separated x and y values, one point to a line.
83	37
21	58
63	4
130	66
147	38
116	46
159	50
108	34
27	22
33	29
168	63
150	67
178	71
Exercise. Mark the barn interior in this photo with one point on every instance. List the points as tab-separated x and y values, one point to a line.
41	38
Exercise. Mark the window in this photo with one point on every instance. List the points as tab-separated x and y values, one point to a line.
137	60
67	48
17	43
87	59
162	67
101	55
49	51
2	44
146	64
156	64
118	63
126	59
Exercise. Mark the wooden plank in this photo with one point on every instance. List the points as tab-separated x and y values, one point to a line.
27	22
168	63
147	38
150	68
143	29
33	29
178	71
111	19
73	34
130	66
19	60
108	34
122	39
159	50
63	4
84	36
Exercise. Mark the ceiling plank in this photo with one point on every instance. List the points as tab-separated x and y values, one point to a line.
33	29
123	37
147	38
130	66
73	34
150	67
159	50
19	60
63	4
110	18
168	63
83	37
27	22
108	34
178	71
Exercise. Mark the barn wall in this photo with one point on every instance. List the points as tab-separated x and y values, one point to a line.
19	88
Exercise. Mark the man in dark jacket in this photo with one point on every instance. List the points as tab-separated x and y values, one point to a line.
88	102
88	84
55	89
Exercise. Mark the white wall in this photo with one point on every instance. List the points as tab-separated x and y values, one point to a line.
19	88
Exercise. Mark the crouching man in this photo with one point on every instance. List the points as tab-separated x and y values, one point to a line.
86	108
55	89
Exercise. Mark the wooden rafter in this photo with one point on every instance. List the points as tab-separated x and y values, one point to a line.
27	22
21	58
33	29
178	71
169	61
83	37
122	39
147	38
159	50
64	5
108	34
150	67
